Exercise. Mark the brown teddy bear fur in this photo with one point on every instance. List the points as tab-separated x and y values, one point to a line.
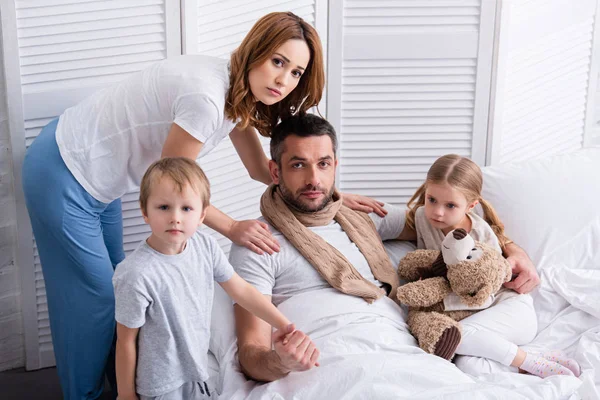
473	281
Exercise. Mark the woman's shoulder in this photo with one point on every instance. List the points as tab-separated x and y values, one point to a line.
195	67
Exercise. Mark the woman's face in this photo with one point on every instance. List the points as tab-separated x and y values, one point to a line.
274	79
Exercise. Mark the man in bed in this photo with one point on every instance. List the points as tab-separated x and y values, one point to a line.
317	251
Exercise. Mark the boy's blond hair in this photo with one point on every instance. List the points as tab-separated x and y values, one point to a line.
180	170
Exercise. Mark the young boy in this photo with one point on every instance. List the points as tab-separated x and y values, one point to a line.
164	290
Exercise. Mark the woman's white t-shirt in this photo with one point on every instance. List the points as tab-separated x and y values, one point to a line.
108	140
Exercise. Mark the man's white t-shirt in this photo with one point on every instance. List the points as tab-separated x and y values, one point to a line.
287	273
108	140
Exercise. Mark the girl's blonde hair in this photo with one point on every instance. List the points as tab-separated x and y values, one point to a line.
268	34
464	175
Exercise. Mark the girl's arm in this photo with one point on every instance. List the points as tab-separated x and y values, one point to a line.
407	233
126	359
250	150
252	234
252	300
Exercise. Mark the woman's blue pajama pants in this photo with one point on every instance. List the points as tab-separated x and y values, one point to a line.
80	241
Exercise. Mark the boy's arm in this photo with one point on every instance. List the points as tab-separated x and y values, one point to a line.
126	359
263	355
252	300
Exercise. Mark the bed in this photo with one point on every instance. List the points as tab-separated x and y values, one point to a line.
551	207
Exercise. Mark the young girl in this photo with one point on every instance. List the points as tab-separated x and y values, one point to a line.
164	290
446	202
82	163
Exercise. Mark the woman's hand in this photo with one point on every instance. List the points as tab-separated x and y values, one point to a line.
525	275
363	203
254	235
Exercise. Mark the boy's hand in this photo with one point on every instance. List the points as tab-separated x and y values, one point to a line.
295	349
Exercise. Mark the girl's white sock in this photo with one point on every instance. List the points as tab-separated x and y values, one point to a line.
561	358
538	365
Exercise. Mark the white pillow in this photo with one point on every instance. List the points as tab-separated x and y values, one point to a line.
547	202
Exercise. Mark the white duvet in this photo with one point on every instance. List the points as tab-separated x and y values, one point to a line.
367	353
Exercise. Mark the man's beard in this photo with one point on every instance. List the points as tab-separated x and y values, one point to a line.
296	203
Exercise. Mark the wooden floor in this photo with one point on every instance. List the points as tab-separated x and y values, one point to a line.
18	384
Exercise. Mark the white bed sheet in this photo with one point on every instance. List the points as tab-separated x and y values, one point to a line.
368	353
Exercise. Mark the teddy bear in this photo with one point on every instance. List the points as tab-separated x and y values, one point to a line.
465	271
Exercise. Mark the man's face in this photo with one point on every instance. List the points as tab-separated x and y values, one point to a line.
306	176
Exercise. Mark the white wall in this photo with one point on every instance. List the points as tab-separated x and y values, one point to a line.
12	354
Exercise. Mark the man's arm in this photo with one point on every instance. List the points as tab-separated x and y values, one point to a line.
527	277
292	351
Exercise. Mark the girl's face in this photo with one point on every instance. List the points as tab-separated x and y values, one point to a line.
274	79
446	207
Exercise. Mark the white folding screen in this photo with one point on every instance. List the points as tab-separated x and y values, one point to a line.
64	51
408	82
216	28
544	59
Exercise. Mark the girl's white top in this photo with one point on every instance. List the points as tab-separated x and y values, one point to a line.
108	140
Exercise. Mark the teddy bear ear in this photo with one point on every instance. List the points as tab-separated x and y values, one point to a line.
459	234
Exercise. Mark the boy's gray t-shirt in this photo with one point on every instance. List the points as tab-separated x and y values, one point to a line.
169	297
287	273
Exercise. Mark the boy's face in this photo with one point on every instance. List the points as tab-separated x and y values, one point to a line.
173	216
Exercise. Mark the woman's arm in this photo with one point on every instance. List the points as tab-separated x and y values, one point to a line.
363	203
179	143
250	150
126	359
527	277
253	234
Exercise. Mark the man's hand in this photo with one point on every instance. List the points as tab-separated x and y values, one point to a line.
295	350
527	277
363	203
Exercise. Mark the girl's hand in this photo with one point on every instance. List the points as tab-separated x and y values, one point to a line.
254	235
363	203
